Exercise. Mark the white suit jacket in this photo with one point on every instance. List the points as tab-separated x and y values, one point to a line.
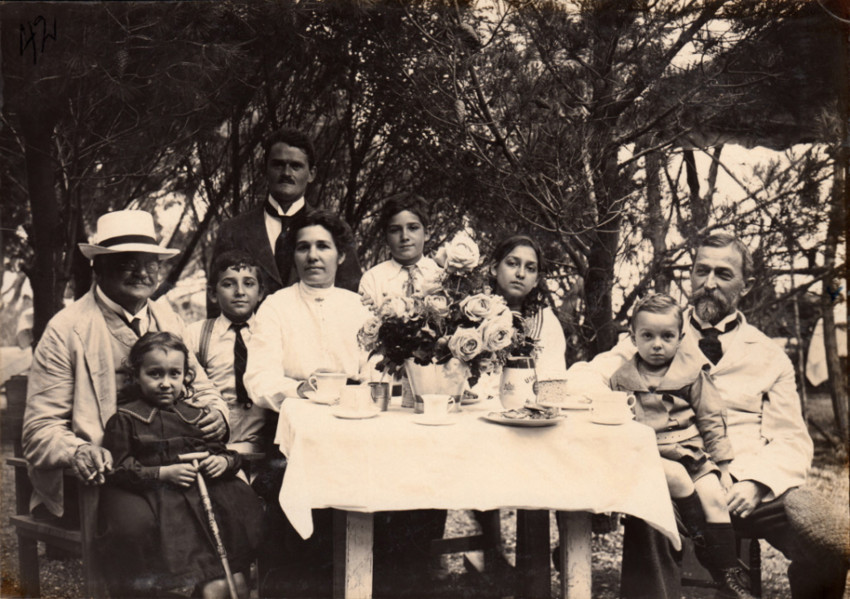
71	391
755	380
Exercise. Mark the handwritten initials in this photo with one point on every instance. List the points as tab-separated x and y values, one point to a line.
33	38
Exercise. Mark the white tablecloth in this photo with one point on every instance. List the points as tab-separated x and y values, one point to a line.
391	463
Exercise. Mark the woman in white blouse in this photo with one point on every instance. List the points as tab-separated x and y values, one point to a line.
308	326
303	328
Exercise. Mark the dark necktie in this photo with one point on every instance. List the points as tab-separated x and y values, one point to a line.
136	325
709	343
280	258
240	361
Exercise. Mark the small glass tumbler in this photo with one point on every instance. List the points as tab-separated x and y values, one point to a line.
381	395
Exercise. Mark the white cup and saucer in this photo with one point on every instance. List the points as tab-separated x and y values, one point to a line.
436	410
355	403
612	408
326	387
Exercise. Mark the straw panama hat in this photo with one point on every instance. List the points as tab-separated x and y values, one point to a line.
125	231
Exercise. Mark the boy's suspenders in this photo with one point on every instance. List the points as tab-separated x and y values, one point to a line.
204	342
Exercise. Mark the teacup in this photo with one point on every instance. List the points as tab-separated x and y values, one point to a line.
327	385
437	405
614	407
356	398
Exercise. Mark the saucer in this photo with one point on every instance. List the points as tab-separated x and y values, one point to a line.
609	421
322	400
421	419
349	414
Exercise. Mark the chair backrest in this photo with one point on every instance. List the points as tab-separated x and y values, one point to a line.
13	417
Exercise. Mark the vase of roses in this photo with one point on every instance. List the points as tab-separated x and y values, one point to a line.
449	334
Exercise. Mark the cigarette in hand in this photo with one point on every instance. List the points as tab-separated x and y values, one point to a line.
92	476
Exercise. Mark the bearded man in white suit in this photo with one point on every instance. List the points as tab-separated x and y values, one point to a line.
772	447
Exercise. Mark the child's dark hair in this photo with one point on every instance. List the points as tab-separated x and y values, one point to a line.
237	260
658	303
162	341
401	202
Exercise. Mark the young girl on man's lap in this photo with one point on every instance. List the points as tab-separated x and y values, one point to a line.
679	401
153	526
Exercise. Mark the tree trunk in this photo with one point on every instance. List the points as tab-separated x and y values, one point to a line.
656	229
837	376
47	237
837	222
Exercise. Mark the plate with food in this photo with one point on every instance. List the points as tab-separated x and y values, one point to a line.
529	415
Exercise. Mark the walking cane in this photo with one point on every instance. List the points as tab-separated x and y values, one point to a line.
205	499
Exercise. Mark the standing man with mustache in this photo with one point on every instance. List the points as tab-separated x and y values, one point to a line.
765	424
261	231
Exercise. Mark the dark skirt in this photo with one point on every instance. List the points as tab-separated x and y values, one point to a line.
160	538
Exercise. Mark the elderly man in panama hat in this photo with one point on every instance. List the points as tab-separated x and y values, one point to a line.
77	365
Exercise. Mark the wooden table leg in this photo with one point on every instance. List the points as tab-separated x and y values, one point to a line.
532	554
575	555
353	535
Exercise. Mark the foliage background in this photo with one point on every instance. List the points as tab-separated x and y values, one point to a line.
609	129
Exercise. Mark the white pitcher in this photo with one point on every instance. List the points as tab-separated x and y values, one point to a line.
518	384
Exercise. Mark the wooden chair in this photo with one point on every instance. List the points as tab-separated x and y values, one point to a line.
74	540
68	535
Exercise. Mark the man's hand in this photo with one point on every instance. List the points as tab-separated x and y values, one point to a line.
744	497
181	475
214	466
213	425
91	463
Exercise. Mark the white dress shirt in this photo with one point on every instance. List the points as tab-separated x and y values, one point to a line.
245	424
301	329
390	278
142	315
273	225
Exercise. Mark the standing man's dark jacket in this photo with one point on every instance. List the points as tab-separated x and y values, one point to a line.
247	232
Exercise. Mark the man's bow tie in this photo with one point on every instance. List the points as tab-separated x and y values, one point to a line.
273	212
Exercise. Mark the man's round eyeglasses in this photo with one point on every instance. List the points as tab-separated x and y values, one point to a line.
149	266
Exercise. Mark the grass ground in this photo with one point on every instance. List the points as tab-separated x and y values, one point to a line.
62	578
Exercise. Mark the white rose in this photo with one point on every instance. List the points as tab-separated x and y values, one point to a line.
461	253
465	344
476	307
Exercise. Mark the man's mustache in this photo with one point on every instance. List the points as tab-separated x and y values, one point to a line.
706	294
140	281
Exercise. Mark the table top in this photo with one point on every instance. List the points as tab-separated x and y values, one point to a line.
392	463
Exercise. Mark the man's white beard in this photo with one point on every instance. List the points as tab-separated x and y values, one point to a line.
710	309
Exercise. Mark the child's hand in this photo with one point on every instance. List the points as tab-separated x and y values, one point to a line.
181	475
214	466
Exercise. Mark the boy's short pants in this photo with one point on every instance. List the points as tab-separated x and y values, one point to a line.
692	455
